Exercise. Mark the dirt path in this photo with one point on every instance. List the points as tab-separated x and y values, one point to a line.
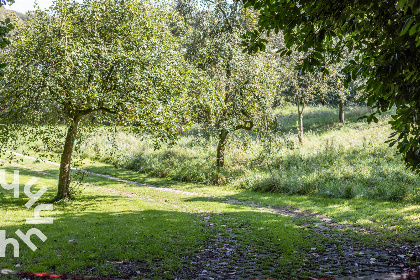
107	176
345	259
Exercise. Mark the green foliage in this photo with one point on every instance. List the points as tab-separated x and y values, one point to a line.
387	42
96	62
244	85
77	60
312	87
6	25
337	161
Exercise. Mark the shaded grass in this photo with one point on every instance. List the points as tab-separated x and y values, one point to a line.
394	220
98	230
159	233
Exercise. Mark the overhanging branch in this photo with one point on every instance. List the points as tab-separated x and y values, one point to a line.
91	110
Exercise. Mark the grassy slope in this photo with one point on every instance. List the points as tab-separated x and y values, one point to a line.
90	235
336	161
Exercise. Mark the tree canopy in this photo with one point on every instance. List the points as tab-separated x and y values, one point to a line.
5	27
244	84
386	35
114	61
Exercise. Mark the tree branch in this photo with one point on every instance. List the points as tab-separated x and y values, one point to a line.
91	110
248	124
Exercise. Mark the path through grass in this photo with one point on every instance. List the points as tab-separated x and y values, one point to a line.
117	229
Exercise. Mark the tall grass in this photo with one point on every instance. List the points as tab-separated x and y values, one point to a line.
335	160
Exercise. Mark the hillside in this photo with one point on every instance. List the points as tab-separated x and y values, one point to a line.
5	13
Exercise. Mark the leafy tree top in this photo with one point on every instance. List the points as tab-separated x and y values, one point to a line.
5	27
386	34
245	84
114	59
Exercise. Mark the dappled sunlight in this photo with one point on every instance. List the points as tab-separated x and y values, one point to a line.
411	208
113	216
184	139
415	218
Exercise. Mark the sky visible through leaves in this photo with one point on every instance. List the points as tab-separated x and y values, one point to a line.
23	6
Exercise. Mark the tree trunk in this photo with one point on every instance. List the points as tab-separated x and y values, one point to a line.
341	111
220	162
180	130
300	127
64	178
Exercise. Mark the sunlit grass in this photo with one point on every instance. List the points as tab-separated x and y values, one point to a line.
102	228
348	160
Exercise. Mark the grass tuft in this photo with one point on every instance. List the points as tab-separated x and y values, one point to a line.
336	160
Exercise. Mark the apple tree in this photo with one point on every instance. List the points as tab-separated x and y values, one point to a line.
113	61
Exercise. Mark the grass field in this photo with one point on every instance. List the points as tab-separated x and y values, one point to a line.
335	160
156	232
183	229
115	229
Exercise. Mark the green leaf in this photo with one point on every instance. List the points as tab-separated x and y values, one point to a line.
407	25
289	44
346	84
413	29
318	55
400	4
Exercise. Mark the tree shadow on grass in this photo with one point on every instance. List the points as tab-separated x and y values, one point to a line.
162	244
140	243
